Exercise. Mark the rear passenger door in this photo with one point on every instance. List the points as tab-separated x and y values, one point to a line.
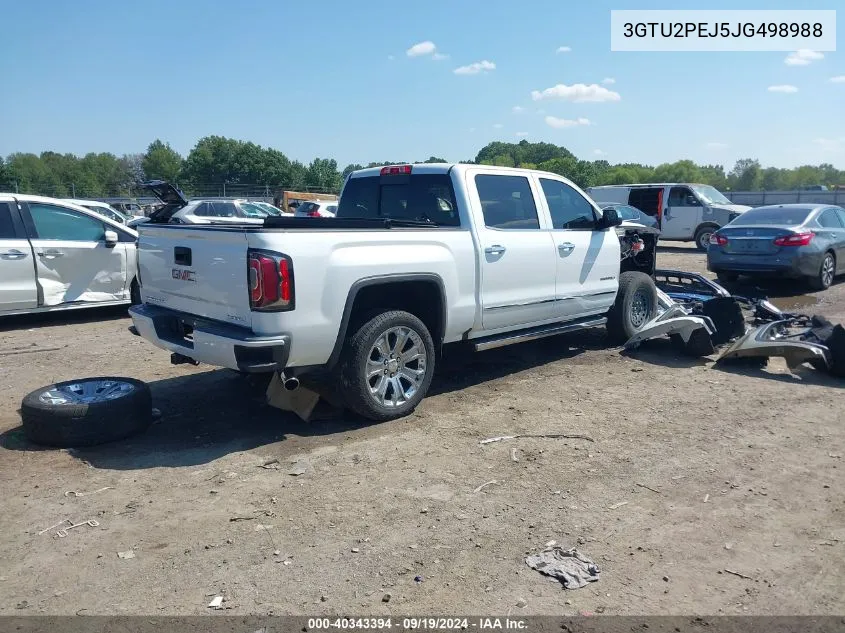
517	258
18	290
587	259
833	224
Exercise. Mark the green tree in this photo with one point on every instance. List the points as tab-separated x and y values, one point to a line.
435	159
349	169
161	162
323	174
745	176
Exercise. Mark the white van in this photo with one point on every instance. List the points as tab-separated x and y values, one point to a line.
685	212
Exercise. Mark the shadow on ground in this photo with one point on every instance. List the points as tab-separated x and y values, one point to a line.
208	415
63	317
662	352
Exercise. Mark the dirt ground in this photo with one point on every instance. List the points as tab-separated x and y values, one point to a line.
693	471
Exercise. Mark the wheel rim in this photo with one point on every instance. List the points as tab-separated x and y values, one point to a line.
396	366
86	392
704	239
639	309
827	270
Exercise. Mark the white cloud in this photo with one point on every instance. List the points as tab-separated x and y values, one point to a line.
564	49
608	81
421	49
785	88
598	152
521	134
518	109
577	93
803	57
553	121
498	126
716	145
839	79
474	69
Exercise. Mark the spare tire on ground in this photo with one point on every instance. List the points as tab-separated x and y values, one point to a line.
87	411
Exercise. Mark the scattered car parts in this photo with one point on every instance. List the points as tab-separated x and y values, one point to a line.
774	339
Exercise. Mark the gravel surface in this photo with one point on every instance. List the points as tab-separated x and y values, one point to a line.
703	491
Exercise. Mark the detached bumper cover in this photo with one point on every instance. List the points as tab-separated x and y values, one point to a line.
210	342
765	341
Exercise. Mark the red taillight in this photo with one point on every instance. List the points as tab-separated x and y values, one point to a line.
396	170
797	239
721	240
313	214
270	281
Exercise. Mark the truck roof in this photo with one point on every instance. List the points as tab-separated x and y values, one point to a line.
651	184
445	168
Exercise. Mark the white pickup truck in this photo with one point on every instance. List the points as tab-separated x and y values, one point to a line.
419	256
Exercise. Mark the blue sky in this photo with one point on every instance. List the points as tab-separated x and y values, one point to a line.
334	79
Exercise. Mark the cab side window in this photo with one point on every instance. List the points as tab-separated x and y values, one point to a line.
58	223
568	208
507	202
829	220
7	229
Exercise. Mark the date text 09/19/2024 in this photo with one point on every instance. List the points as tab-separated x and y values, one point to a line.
410	624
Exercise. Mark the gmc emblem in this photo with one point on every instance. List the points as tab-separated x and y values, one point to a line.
184	275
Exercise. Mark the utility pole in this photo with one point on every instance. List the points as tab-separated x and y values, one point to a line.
73	190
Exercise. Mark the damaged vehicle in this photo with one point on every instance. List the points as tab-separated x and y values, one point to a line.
56	255
418	257
698	315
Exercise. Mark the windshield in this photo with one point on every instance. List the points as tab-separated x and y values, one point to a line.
709	194
776	216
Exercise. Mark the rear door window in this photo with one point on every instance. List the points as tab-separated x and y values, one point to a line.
507	202
420	197
645	199
7	228
829	220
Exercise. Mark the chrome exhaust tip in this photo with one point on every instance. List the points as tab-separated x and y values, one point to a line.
291	384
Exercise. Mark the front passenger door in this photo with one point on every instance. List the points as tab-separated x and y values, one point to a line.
73	263
683	215
587	259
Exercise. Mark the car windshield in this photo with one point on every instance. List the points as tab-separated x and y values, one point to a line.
710	195
777	216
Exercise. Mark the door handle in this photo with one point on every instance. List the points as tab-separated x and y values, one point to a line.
496	249
566	246
51	254
13	254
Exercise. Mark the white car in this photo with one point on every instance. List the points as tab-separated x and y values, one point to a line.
316	209
419	256
102	208
55	255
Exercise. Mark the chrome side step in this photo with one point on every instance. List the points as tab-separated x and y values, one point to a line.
534	333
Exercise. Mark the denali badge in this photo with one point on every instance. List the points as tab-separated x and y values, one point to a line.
184	275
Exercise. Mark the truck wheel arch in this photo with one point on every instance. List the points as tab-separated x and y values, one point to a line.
350	308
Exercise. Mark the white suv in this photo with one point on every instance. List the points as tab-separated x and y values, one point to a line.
317	209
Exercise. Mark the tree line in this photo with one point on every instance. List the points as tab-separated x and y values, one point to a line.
216	160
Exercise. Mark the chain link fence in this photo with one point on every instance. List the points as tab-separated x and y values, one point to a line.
248	191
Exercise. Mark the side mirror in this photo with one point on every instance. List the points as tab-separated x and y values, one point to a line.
110	238
609	218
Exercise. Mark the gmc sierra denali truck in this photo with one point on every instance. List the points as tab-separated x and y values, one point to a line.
418	257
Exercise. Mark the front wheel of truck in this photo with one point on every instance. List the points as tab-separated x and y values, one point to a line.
636	305
387	366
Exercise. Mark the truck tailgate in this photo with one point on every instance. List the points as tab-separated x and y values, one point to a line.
200	271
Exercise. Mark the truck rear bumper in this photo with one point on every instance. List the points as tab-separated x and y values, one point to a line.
210	342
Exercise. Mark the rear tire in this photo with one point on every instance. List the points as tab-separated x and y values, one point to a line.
702	237
824	278
636	305
727	278
387	366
